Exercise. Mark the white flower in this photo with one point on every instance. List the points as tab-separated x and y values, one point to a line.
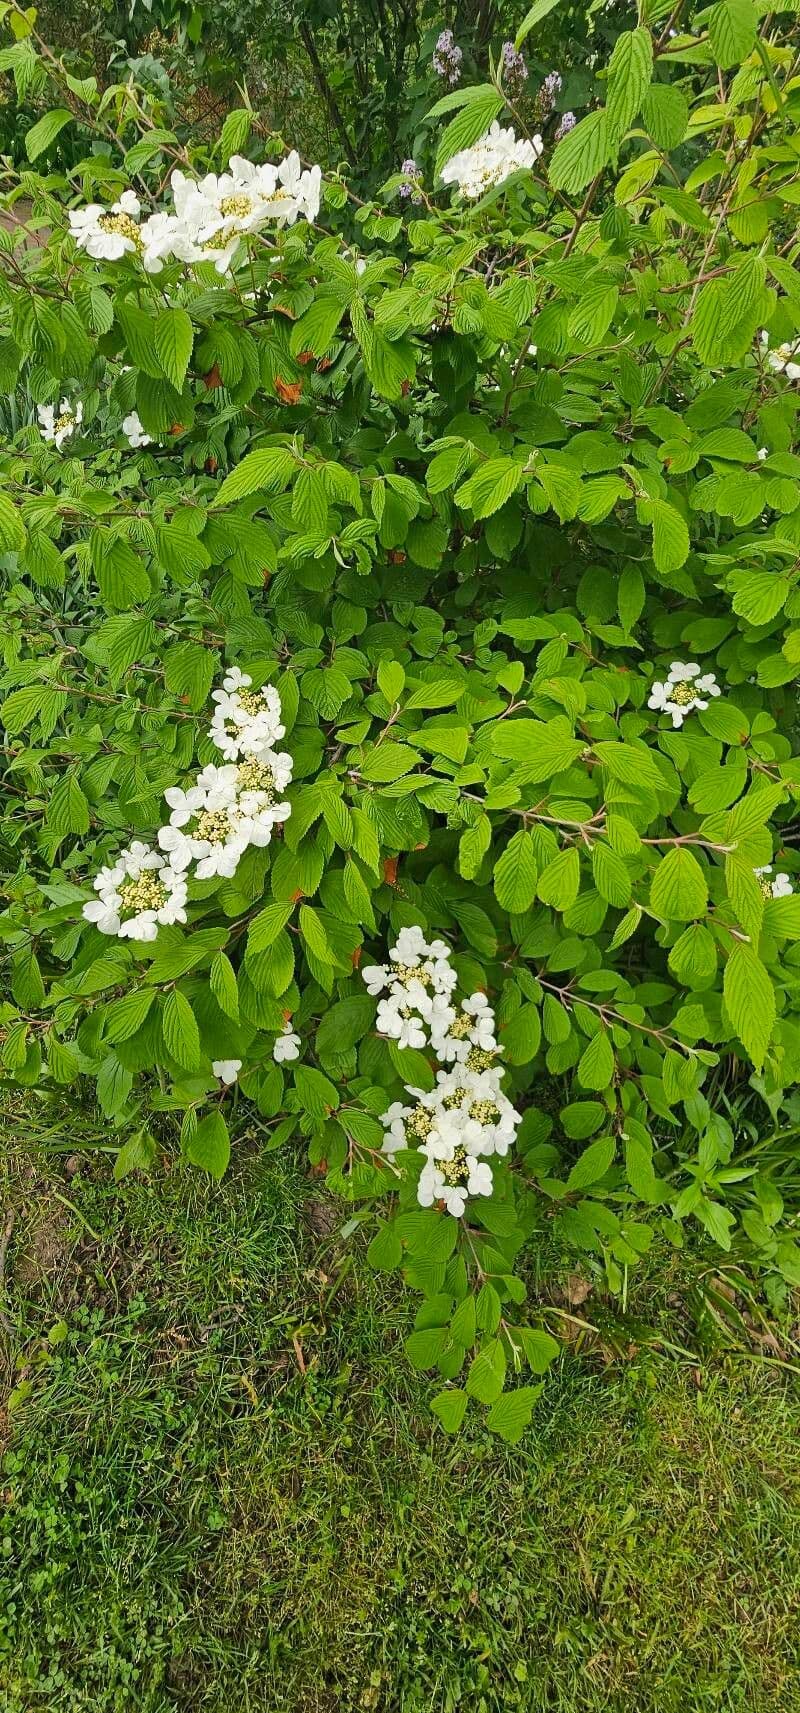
472	1027
488	162
778	887
226	810
108	233
453	1180
781	358
164	237
417	982
286	1045
133	430
301	188
226	1069
408	1031
466	1117
245	722
139	893
763	452
684	689
55	429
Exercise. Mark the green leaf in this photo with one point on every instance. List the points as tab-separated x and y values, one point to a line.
665	113
732	28
68	810
114	1084
759	595
750	1001
679	890
588	322
469	124
12	529
266	926
33	701
583	153
522	1035
515	875
127	1014
387	762
472	847
317	1094
782	917
630	69
539	1347
189	672
210	1146
611	876
670	535
138	1154
142	151
265	472
487	1372
385	1250
538	11
173	337
593	1164
511	1414
559	882
596	1065
488	488
235	132
344	1024
139	332
424	1348
315	330
450	1407
181	1037
222	977
43	134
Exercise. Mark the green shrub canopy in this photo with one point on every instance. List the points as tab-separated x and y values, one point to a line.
400	662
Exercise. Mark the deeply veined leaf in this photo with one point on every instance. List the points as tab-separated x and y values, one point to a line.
173	336
43	134
679	890
266	472
750	1000
181	1037
732	31
629	71
582	153
515	874
534	16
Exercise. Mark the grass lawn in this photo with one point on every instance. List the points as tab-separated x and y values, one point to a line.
222	1488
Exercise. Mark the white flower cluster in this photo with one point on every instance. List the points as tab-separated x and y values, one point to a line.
488	162
684	689
210	215
211	825
466	1118
133	431
56	429
781	358
773	885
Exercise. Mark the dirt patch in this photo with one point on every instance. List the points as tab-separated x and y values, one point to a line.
16	220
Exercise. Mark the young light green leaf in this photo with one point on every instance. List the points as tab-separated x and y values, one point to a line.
750	1000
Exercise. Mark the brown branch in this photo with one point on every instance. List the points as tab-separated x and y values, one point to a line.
327	94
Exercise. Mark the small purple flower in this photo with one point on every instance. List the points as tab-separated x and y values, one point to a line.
546	98
566	123
515	71
447	57
411	171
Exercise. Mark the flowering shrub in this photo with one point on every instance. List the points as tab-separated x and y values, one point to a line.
484	504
